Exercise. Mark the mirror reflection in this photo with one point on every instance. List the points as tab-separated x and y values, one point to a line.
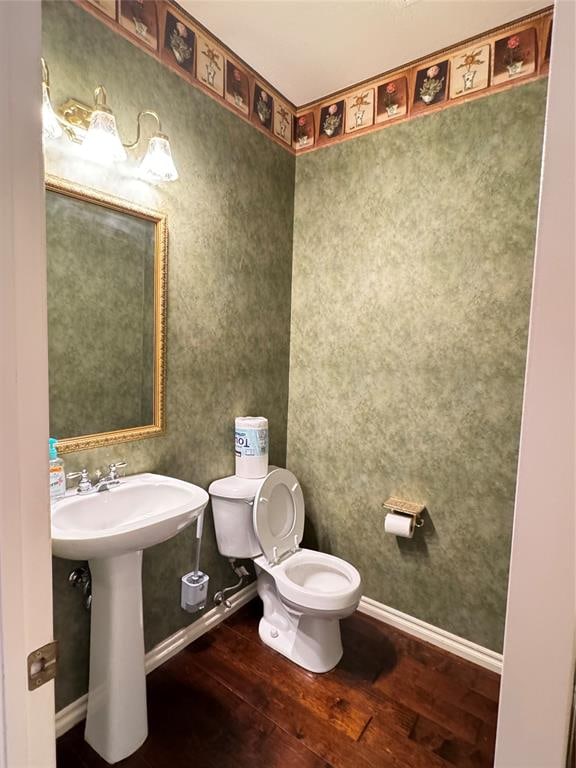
104	274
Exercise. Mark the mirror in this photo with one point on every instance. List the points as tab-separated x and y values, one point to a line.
106	317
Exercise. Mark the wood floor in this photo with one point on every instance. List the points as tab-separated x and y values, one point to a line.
228	701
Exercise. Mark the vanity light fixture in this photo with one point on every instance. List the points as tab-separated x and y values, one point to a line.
95	129
157	164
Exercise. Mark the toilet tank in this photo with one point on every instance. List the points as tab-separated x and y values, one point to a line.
232	499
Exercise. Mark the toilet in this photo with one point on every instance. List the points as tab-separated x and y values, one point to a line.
304	593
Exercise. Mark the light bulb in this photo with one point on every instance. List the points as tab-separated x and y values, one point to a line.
51	128
102	142
157	164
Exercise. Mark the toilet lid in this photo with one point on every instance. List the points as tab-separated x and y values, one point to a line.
279	514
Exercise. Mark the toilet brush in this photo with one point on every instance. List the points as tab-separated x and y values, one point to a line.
199	527
195	584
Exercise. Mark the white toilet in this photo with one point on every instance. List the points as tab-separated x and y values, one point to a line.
305	593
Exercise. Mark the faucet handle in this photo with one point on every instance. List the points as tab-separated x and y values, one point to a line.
84	486
113	469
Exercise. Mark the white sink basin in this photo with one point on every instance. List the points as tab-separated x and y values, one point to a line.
110	529
140	512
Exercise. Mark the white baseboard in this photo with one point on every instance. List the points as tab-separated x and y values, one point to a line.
174	644
76	711
71	715
477	654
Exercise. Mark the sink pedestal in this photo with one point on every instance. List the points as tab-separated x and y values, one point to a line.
117	723
110	529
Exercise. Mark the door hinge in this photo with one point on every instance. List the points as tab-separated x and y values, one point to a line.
42	665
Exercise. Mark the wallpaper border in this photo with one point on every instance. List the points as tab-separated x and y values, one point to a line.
502	58
496	60
174	38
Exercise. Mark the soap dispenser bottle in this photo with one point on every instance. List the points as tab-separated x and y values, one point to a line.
57	476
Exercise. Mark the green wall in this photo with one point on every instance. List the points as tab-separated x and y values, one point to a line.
409	280
229	268
412	269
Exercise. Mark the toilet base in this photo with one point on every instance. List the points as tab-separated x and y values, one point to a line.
310	640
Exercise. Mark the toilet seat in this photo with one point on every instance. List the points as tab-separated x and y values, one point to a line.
315	581
309	580
278	515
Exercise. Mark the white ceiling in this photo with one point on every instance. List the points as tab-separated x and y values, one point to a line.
310	49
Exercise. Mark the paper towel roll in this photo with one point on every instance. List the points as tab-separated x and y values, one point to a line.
399	525
251	446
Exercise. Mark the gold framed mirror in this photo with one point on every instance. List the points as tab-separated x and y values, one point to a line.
107	276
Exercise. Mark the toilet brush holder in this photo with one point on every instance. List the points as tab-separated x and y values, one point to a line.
194	591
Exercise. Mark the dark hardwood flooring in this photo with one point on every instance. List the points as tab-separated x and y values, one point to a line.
228	701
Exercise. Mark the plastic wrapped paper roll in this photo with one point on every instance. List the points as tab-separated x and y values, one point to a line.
251	446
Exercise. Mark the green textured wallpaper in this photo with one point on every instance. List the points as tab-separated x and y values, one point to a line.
412	269
229	270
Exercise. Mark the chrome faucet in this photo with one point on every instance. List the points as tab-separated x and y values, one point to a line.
110	480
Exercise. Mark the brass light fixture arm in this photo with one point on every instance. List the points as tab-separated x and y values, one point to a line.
74	115
100	97
45	72
67	128
142	114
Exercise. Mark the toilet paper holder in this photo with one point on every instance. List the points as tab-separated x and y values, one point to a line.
403	507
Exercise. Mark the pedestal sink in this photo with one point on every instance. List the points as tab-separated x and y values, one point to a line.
110	529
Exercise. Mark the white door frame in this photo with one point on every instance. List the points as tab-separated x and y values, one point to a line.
27	739
541	614
539	643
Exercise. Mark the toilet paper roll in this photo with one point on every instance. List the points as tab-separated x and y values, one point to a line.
251	446
399	525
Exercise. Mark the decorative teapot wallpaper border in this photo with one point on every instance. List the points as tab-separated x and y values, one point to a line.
498	59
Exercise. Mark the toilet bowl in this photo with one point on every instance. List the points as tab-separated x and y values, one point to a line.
304	593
